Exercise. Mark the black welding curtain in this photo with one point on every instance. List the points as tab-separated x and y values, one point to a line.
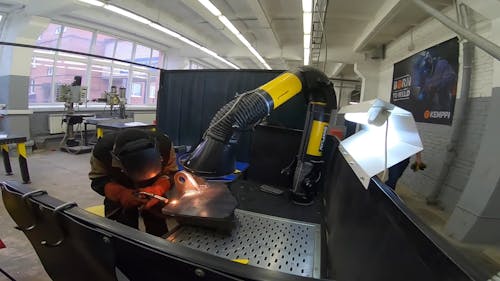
188	99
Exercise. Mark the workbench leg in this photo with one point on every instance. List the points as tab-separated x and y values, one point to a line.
6	159
100	133
23	162
85	142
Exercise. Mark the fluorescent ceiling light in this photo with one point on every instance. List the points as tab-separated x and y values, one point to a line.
44	52
307	41
93	2
210	7
307	53
126	14
185	40
172	33
229	25
164	30
227	62
210	52
244	40
256	54
259	57
307	6
307	23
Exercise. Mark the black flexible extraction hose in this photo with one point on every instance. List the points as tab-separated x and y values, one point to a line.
238	114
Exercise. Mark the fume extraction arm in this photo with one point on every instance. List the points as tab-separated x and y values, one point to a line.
215	155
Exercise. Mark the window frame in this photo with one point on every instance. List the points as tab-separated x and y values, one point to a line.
89	61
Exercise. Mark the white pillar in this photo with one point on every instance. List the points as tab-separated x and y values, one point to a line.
15	70
370	78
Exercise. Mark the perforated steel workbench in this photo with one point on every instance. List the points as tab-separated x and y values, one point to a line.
266	241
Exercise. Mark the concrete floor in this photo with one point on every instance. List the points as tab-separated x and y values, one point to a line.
64	176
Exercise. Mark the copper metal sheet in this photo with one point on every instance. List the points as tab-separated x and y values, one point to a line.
213	202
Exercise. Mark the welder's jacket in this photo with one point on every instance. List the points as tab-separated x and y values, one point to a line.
104	170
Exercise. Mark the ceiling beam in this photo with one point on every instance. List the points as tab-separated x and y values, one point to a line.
198	8
265	23
49	8
338	69
484	7
386	12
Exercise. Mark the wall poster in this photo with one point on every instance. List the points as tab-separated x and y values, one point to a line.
426	83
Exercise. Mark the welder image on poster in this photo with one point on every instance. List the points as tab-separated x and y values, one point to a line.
426	83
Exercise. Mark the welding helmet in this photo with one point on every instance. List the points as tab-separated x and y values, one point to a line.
136	153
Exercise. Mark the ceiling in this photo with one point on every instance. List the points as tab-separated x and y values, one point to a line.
273	27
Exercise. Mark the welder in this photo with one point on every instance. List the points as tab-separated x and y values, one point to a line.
434	81
126	163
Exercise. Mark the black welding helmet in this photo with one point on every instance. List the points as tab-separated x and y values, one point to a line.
136	153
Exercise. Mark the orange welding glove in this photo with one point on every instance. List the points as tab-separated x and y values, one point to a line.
159	187
125	196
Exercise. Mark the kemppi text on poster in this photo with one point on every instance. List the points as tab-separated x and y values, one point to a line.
426	83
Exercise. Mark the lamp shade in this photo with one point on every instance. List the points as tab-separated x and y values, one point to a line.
365	150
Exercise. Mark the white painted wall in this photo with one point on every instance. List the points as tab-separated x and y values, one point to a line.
428	34
436	137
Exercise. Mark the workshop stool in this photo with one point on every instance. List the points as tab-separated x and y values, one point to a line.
96	210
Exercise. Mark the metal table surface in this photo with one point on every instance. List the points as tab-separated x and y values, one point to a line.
270	242
125	125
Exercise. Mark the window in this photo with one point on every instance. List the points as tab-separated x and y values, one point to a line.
49	37
41	83
58	30
139	84
32	87
195	65
120	77
49	69
123	50
104	45
75	39
100	77
142	54
136	89
66	70
156	59
153	90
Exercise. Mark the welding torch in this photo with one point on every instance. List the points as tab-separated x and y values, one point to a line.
151	195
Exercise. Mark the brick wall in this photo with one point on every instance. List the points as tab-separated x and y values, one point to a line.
435	138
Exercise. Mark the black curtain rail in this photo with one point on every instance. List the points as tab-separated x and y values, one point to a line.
345	80
76	53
